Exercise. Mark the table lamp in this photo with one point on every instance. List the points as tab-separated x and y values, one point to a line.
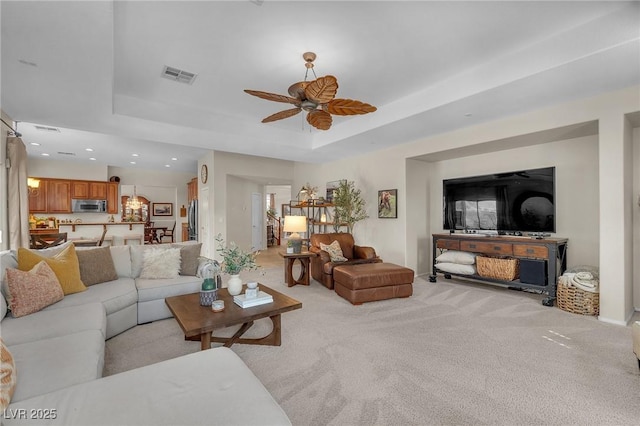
295	224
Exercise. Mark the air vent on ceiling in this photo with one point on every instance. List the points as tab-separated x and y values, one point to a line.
47	129
178	75
73	154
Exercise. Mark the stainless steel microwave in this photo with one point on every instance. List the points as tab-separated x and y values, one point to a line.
88	206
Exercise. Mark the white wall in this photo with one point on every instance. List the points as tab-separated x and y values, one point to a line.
239	200
64	169
221	198
635	203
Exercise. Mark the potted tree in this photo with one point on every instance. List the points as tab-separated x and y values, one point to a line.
349	205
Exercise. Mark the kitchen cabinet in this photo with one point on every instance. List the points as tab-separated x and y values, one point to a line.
38	199
192	189
80	189
88	190
98	190
58	196
112	197
54	195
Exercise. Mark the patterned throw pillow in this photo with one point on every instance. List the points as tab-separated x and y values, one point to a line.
334	250
96	265
160	263
8	377
64	264
33	290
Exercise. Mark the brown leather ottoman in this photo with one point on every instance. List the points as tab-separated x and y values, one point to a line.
372	281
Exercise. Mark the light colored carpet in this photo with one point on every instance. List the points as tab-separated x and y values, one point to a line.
453	353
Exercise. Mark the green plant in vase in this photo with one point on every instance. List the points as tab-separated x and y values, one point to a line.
234	261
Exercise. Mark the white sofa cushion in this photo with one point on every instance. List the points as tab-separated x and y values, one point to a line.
207	387
3	306
114	295
51	364
121	256
150	289
54	323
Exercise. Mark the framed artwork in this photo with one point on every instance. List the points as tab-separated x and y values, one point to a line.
162	209
331	188
388	204
286	210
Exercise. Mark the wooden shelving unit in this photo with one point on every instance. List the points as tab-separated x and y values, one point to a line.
314	210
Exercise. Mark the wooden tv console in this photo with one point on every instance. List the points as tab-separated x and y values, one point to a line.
553	251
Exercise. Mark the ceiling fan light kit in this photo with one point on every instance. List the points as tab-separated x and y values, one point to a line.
316	97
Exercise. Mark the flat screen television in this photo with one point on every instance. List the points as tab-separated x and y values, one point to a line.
519	201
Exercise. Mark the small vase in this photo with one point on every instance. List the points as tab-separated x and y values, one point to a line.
234	285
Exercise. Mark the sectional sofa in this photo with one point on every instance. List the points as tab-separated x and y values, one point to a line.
58	351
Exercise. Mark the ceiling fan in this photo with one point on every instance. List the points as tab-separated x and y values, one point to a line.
317	97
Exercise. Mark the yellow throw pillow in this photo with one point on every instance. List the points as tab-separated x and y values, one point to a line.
8	378
64	264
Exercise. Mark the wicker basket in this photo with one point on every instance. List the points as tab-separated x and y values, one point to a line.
497	268
572	299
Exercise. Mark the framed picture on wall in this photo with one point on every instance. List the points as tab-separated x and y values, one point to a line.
162	209
286	210
387	204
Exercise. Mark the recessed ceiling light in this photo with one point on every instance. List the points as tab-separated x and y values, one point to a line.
34	144
132	162
135	155
174	159
167	165
44	154
89	149
92	159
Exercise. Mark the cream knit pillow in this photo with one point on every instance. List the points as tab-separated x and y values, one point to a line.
334	250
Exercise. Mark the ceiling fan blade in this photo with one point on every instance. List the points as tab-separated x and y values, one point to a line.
322	90
273	97
348	107
319	119
282	114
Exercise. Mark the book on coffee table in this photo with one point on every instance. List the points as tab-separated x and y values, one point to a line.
244	302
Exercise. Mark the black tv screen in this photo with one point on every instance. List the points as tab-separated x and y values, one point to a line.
512	201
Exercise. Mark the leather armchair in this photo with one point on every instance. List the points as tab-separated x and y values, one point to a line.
321	264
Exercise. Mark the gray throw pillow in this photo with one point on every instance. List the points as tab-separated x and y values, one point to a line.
96	265
189	254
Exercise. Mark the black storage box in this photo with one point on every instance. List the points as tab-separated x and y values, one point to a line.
533	271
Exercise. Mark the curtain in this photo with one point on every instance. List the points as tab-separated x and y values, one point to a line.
18	194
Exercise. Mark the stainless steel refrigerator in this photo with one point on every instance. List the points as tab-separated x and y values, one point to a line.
192	215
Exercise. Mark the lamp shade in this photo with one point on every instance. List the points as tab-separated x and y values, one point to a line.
295	224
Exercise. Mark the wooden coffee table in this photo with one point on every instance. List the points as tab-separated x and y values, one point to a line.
199	322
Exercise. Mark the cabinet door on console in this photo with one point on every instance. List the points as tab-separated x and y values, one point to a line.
448	244
527	250
486	247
